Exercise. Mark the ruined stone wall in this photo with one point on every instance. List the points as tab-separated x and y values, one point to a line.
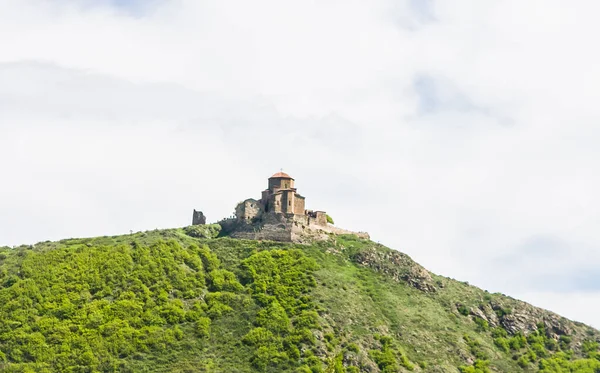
317	217
311	227
248	209
198	218
335	230
320	218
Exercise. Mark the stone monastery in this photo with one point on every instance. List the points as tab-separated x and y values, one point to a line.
279	215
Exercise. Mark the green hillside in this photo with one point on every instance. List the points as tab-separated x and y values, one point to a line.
179	300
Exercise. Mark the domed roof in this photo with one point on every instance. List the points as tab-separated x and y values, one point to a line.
280	175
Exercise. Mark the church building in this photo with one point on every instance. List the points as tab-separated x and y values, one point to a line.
280	197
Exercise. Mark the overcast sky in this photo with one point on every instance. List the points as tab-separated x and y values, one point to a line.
463	133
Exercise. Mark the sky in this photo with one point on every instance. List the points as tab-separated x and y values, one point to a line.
462	133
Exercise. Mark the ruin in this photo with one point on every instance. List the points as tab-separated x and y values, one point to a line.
279	215
198	218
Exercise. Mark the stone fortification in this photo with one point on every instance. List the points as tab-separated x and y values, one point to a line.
283	227
279	215
198	218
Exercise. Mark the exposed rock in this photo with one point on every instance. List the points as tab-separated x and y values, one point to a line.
518	322
525	318
490	315
557	326
480	314
398	266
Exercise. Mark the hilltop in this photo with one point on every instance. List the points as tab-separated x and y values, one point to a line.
279	215
186	300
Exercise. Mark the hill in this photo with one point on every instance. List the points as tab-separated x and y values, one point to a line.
182	300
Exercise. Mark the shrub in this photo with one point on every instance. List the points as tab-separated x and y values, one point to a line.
386	358
590	349
482	325
517	342
500	312
352	347
463	310
499	332
523	361
564	342
479	366
268	356
539	349
475	348
502	343
223	280
307	319
203	231
551	344
202	327
274	318
258	336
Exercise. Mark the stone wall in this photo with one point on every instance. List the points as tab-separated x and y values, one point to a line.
317	217
198	218
320	218
280	183
249	209
275	227
282	227
299	205
286	201
276	203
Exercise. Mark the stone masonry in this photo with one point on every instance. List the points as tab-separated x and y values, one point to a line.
279	215
198	218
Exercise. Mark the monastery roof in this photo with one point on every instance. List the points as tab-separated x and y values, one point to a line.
281	174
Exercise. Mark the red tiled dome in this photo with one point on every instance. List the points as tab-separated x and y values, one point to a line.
280	174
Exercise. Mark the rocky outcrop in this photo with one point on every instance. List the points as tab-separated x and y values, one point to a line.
486	313
519	317
398	266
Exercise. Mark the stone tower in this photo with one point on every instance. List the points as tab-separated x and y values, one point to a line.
281	196
198	218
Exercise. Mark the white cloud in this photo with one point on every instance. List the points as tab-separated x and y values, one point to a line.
458	133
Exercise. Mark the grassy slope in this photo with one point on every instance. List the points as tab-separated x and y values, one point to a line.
356	303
